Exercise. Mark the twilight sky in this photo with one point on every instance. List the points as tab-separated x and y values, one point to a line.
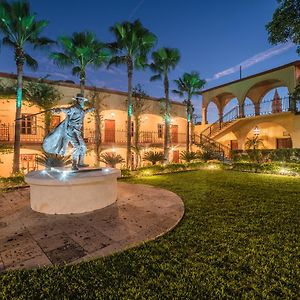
214	37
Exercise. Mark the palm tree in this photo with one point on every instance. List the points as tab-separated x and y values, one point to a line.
20	28
80	51
254	143
189	85
45	96
165	59
132	45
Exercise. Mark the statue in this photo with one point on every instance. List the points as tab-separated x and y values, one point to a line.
69	131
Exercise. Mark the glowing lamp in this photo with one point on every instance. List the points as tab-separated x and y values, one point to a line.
256	130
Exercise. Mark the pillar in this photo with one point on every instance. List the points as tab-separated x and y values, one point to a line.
257	109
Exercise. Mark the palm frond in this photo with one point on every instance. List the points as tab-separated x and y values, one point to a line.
31	62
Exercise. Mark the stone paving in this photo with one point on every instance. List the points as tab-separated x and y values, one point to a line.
30	239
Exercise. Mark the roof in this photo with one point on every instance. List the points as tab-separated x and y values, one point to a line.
294	63
73	85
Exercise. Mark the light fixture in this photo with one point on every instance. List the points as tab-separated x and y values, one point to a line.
256	130
112	114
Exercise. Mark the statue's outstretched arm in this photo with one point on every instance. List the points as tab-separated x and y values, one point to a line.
58	110
88	110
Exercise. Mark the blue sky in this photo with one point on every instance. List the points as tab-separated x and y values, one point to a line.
214	38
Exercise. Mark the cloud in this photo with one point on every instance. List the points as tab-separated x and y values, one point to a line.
262	56
136	9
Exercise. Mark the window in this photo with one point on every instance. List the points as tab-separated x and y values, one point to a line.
160	131
28	124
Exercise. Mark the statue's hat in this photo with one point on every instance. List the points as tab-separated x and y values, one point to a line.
80	97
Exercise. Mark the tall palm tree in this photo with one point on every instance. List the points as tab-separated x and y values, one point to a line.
187	86
80	51
164	60
132	45
20	28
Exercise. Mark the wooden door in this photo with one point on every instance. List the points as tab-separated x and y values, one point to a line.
174	134
284	143
109	131
55	120
175	156
234	145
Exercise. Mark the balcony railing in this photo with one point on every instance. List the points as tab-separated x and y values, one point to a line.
110	137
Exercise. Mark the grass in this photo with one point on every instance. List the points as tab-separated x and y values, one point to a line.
239	238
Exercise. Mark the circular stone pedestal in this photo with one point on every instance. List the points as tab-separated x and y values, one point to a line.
63	191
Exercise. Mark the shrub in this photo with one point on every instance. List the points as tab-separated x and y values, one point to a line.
49	160
175	167
111	159
189	156
154	157
125	173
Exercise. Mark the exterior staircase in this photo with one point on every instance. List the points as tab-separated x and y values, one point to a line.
224	122
206	137
221	151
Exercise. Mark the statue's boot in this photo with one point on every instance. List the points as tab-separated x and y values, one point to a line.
81	164
74	165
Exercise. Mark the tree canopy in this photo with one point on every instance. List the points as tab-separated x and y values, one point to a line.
285	24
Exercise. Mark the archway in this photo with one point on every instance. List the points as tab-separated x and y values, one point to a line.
274	101
272	134
249	109
230	105
212	112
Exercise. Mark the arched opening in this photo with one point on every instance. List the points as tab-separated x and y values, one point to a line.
230	105
249	109
272	136
212	112
275	101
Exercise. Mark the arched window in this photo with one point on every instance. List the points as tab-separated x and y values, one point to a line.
249	110
212	113
275	101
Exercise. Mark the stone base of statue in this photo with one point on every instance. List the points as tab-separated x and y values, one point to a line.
63	191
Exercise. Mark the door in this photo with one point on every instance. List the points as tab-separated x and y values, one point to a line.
55	120
234	145
174	134
175	156
109	131
284	143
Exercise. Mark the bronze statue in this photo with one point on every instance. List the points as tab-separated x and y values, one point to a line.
69	131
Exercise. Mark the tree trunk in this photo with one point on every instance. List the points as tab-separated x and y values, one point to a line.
129	114
17	141
97	136
188	111
82	84
167	120
136	140
48	116
188	136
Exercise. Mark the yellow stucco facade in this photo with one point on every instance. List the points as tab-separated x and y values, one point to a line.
114	115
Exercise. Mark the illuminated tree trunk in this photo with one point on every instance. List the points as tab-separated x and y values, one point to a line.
129	114
167	120
17	141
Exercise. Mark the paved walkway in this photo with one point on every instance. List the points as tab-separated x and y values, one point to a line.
30	239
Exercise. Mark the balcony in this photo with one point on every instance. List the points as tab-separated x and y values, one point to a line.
35	136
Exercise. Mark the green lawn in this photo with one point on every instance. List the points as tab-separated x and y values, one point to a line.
239	238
